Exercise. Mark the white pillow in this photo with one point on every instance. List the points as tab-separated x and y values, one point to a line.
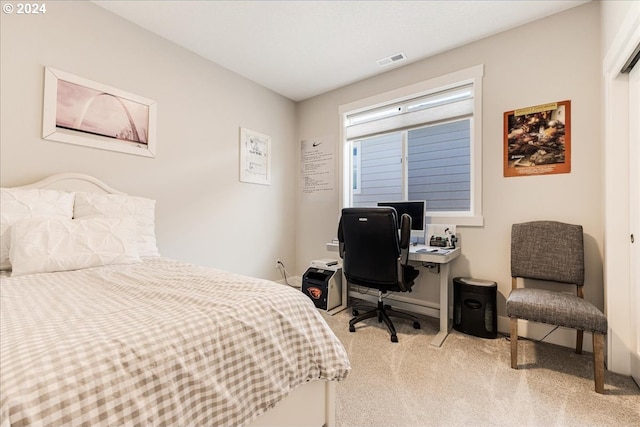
17	204
94	205
48	245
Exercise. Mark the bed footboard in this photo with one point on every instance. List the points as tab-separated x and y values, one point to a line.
310	405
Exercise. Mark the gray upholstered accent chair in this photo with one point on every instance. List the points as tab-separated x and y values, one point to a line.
553	252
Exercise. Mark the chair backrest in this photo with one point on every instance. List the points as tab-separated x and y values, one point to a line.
371	249
548	250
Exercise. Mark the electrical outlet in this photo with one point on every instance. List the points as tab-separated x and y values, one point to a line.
278	262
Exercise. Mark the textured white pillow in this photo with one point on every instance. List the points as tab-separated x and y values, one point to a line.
48	245
94	205
17	204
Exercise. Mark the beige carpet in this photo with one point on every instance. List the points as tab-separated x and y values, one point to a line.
469	382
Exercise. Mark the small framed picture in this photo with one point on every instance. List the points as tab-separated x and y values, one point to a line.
83	112
255	157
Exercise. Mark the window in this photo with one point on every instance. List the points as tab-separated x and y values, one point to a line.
422	142
356	177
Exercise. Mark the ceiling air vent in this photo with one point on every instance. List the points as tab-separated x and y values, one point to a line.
392	59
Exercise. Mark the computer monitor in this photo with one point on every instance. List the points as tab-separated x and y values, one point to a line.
417	210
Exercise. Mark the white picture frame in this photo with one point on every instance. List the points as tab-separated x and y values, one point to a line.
83	112
255	157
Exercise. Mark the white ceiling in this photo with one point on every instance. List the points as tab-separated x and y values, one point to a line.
304	48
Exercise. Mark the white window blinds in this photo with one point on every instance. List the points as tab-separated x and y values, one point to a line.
451	104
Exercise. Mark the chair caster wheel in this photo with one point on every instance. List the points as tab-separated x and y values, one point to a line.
355	312
394	338
416	325
352	328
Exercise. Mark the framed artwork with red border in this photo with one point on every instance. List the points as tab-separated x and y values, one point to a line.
537	140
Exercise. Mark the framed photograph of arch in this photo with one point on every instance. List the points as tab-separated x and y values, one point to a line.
83	112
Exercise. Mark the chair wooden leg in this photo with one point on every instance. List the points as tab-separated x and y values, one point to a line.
579	339
514	342
598	362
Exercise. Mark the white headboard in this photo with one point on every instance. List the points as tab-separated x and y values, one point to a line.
73	182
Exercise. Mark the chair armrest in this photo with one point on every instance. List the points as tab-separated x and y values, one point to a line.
405	238
340	239
405	231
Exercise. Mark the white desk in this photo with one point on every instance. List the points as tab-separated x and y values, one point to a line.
424	253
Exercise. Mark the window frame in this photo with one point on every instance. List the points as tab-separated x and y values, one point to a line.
473	75
356	186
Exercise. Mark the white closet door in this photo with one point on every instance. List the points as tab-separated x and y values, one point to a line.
634	218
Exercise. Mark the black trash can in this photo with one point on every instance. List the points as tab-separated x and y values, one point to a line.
474	307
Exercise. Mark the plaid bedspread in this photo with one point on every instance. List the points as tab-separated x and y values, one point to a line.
156	343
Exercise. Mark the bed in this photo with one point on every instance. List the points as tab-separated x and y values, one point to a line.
118	335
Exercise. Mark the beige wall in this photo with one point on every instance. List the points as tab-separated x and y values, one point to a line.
613	14
553	59
204	214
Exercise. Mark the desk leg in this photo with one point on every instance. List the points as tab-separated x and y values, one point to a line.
445	323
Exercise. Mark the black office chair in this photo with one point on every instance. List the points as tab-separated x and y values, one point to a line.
375	257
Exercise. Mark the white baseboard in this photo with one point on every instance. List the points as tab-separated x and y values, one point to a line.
294	281
531	330
401	302
535	331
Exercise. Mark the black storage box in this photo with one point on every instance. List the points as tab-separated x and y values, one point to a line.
474	307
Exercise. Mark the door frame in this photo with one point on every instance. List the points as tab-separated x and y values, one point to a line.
634	219
616	196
